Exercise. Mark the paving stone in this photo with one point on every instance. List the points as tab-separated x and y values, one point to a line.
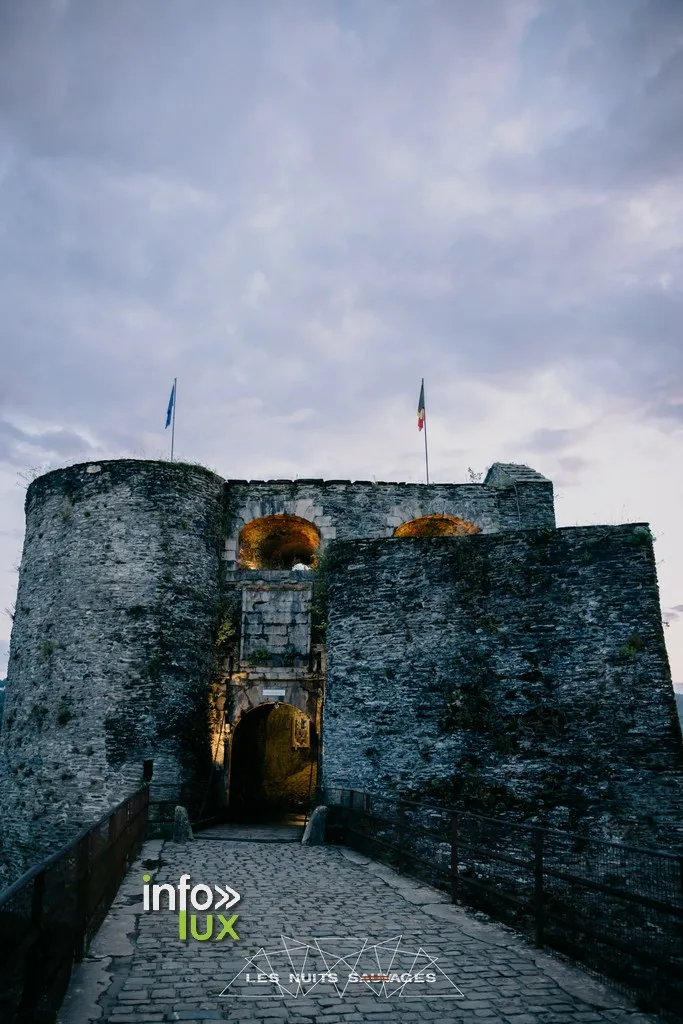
310	893
522	1018
198	1015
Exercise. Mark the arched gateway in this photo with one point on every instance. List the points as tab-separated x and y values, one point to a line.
273	764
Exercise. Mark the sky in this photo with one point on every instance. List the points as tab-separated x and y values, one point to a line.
299	208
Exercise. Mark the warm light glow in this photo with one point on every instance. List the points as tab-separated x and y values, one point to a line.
274	760
278	542
436	525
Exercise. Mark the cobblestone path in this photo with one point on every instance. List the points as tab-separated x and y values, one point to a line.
139	970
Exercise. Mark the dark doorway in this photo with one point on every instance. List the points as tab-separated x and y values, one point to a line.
273	764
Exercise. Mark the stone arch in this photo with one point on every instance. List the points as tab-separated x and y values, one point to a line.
436	524
273	762
278	541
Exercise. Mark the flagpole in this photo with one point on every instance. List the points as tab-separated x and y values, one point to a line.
425	430
175	402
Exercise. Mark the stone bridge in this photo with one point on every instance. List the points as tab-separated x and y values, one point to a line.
334	911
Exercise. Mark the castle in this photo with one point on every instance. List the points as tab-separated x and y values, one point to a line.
247	642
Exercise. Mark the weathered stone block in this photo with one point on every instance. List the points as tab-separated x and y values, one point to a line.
314	833
182	829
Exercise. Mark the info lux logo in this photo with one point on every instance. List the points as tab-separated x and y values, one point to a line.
202	898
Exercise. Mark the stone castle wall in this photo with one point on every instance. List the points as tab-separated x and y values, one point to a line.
522	674
512	498
110	657
128	576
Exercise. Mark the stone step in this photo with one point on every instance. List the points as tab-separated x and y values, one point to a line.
236	833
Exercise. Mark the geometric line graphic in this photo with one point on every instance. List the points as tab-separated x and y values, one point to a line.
341	965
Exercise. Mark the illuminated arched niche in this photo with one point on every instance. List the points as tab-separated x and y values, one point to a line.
278	542
438	524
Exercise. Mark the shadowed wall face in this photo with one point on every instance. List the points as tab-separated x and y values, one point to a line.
110	661
523	674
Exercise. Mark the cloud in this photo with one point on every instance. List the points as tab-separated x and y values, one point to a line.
300	212
554	439
17	445
673	614
572	465
256	289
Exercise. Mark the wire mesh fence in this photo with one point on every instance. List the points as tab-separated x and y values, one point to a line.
49	915
616	909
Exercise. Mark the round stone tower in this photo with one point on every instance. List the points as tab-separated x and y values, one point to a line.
112	647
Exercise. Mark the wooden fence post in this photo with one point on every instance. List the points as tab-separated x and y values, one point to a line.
82	895
30	993
401	860
348	819
454	857
115	871
538	887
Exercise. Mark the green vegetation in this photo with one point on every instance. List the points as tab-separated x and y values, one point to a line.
64	712
38	714
633	646
290	657
320	603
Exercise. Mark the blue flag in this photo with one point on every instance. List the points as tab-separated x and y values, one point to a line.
169	411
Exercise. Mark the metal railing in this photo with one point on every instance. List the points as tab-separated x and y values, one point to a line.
616	909
49	915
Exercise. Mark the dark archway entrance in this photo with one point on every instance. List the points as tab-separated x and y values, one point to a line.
273	764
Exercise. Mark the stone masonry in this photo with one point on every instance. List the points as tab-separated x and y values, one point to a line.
111	648
144	633
276	619
510	498
522	674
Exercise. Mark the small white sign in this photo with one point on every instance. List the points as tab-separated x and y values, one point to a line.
274	693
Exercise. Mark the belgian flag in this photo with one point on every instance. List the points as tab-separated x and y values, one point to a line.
421	408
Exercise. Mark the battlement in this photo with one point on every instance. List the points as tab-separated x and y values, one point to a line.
512	497
345	509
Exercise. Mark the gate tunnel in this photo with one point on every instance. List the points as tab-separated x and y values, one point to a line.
273	764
